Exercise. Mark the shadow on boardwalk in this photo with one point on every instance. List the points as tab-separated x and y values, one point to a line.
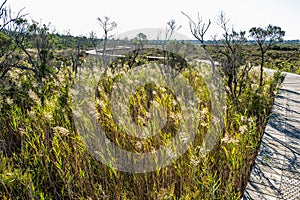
276	172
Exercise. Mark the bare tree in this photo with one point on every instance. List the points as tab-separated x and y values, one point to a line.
265	38
107	26
232	58
229	52
198	29
170	28
93	39
6	15
7	45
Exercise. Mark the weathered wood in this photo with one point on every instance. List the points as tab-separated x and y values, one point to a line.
276	173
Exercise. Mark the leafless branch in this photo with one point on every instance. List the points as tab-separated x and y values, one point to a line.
198	29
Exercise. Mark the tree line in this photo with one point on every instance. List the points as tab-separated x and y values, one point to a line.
36	43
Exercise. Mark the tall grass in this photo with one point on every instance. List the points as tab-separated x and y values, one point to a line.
44	157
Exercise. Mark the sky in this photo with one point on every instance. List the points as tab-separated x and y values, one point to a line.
80	17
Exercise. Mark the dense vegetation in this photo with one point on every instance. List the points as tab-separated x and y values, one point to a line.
284	57
43	154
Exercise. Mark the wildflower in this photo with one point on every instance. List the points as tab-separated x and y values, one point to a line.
130	81
243	129
22	131
216	119
34	84
141	120
107	141
191	103
32	95
50	103
19	84
179	116
171	154
174	102
250	120
60	78
227	139
73	92
9	101
204	111
137	81
100	103
184	136
199	101
48	116
148	114
58	130
155	104
203	124
17	71
179	100
243	119
109	73
32	114
152	150
195	161
139	145
56	83
172	115
224	107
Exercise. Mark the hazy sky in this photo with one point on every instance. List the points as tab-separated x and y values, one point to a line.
80	17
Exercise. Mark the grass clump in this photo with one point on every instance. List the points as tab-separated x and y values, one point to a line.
44	157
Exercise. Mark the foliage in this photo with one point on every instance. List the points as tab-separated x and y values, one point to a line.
107	26
265	38
232	59
7	46
43	156
140	41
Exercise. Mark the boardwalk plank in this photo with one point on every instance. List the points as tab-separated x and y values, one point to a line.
276	173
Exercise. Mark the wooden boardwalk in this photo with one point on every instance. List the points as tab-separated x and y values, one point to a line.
276	173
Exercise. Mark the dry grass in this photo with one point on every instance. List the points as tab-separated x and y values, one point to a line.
43	157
